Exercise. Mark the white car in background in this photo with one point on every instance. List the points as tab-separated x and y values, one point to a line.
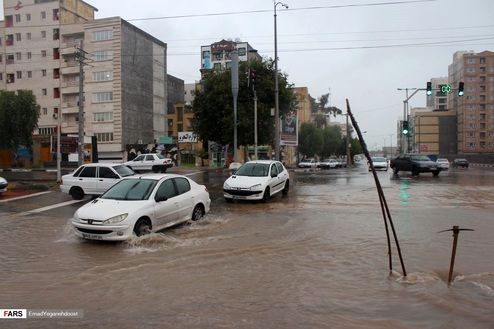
257	180
442	163
380	163
139	205
154	162
3	185
93	179
308	163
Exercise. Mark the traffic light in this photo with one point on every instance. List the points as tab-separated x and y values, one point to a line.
404	129
429	88
461	90
252	77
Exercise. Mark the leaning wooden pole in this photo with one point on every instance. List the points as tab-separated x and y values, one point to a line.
382	199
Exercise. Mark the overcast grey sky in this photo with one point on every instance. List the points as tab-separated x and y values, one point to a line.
339	48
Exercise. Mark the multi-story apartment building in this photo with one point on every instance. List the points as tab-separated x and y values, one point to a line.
124	72
475	109
216	56
438	101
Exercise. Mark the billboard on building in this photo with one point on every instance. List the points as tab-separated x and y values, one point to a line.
187	137
289	129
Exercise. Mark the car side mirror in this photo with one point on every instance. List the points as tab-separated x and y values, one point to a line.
160	198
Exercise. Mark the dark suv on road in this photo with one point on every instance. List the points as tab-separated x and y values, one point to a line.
416	163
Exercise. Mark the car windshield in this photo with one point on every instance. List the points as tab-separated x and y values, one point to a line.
124	171
131	189
253	169
378	159
420	158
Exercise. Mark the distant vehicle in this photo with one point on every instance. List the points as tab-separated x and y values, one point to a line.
463	163
308	163
328	164
3	185
443	163
139	205
380	163
416	163
257	180
154	162
93	179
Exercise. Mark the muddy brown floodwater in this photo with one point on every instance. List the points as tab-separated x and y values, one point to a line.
314	259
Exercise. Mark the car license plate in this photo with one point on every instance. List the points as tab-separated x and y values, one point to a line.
239	197
92	236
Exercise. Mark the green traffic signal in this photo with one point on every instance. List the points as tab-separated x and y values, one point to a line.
429	88
405	129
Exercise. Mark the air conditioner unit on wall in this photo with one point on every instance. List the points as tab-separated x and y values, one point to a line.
55	115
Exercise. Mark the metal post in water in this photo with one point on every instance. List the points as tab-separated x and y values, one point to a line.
456	230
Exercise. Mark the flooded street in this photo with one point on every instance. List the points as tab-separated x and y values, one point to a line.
316	258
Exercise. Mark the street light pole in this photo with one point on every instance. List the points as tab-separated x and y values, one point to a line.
276	87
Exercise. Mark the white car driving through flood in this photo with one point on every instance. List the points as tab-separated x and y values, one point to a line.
139	205
257	180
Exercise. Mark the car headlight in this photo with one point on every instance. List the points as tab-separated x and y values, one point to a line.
226	186
116	219
255	187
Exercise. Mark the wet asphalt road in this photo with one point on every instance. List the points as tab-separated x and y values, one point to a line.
316	258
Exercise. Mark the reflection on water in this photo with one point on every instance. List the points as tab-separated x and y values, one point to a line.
314	259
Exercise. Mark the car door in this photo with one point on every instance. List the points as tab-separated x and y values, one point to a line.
166	211
106	179
282	173
186	199
148	162
275	183
87	180
138	163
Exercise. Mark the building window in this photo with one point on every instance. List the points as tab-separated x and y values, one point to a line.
43	34
28	17
104	137
102	35
10	58
56	34
56	73
1	76
43	53
9	39
102	97
43	15
18	37
18	56
56	53
482	60
29	55
10	78
19	74
471	61
103	55
17	18
55	14
45	111
28	36
43	73
44	92
104	116
29	74
170	122
217	66
102	76
56	92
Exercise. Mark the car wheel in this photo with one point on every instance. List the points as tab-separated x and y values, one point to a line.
229	200
286	188
142	227
266	195
198	212
77	193
155	169
435	173
163	169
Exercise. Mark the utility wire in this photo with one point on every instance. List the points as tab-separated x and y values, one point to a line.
289	9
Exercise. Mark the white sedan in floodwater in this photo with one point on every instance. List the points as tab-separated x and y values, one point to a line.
257	180
139	205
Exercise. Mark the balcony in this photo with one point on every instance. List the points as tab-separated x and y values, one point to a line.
70	90
70	70
70	108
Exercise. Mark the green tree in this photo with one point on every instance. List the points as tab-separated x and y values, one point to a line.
310	139
213	105
332	141
19	115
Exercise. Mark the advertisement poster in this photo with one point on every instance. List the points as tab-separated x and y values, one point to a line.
289	129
